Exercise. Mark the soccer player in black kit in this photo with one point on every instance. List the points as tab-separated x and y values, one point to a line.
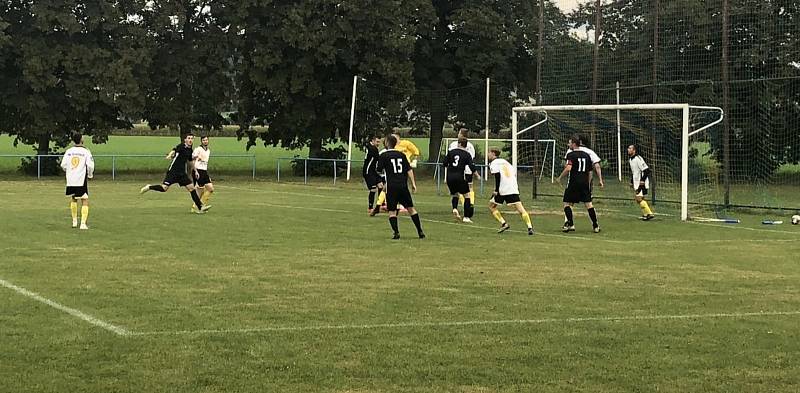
398	171
579	189
181	156
455	163
370	171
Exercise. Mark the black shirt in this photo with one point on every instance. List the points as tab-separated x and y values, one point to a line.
396	166
370	161
581	167
183	154
456	161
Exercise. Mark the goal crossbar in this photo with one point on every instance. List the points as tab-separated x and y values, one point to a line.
685	134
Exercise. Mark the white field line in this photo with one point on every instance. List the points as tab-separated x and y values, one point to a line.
397	325
71	311
733	226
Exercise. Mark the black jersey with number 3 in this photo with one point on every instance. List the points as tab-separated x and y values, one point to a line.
581	167
396	166
455	162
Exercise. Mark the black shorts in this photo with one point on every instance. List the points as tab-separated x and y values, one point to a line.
468	177
372	180
78	191
395	196
641	191
177	178
458	186
203	178
576	193
507	199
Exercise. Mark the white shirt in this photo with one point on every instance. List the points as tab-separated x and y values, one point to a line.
201	156
595	158
637	167
508	176
78	163
470	149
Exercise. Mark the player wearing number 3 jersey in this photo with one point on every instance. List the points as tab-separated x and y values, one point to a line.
398	170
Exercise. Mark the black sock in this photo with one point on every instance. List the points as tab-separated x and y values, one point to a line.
418	224
157	187
196	199
393	223
593	216
454	202
371	199
468	210
568	215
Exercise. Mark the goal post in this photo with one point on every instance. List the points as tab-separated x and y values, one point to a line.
674	139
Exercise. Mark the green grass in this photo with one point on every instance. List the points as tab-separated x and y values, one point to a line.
289	288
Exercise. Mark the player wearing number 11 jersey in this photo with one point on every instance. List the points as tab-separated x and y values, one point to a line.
398	171
579	166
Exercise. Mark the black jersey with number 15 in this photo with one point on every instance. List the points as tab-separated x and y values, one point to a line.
396	166
581	166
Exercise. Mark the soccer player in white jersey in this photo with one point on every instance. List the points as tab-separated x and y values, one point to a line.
462	133
640	180
201	156
79	166
505	191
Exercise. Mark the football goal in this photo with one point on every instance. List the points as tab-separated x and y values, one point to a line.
678	141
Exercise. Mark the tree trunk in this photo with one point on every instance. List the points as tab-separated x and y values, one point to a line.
43	144
315	148
435	141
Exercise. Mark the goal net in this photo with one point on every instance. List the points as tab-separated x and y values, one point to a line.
546	164
679	142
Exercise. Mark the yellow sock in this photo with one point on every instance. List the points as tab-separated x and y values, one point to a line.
381	198
645	208
460	199
206	196
73	208
472	196
498	216
527	218
84	214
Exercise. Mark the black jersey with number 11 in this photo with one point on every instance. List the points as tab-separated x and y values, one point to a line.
396	166
581	167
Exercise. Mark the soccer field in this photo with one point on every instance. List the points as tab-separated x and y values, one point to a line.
291	288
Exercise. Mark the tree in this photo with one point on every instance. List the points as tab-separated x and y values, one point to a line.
188	84
296	62
468	42
68	66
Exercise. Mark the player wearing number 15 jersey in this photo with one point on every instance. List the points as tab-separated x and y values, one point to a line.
398	171
579	166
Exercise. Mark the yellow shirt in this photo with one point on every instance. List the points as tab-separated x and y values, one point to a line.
408	148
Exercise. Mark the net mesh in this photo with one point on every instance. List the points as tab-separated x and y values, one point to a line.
656	132
740	55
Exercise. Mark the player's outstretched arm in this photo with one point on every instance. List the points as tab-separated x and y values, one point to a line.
566	170
413	180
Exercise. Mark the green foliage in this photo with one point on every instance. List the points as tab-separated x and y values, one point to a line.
68	66
298	61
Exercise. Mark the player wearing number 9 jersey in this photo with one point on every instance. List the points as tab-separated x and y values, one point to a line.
579	166
398	170
79	167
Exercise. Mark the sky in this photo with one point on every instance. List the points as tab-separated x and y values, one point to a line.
567	5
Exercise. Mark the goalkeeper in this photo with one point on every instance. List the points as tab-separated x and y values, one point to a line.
640	180
408	148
